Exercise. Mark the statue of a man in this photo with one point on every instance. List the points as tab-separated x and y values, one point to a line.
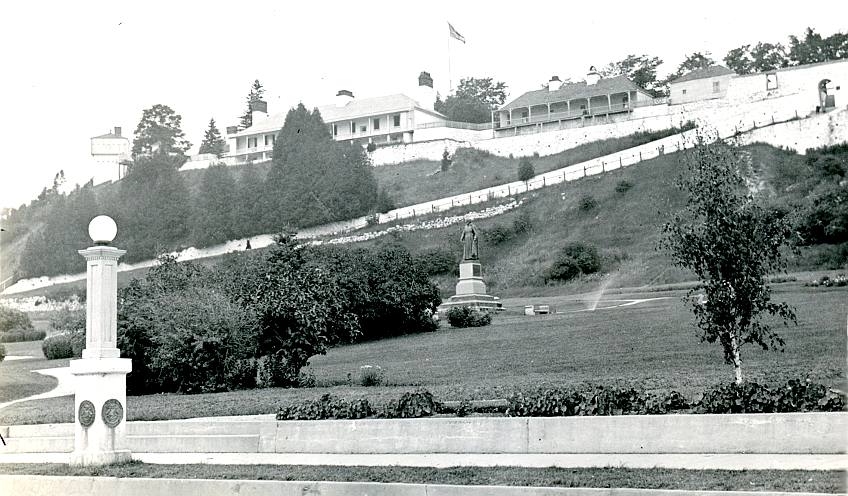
469	242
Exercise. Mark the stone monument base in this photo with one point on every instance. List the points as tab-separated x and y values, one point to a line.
471	290
100	405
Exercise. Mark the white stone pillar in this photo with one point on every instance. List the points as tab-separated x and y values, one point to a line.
100	376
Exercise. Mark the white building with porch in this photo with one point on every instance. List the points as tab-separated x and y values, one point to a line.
382	120
563	106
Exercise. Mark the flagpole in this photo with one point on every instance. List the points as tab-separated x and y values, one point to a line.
450	79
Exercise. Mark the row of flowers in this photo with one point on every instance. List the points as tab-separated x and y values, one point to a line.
438	223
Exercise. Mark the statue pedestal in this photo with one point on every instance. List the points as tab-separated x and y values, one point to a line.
471	289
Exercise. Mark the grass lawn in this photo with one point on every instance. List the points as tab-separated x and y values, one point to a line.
713	480
648	345
16	377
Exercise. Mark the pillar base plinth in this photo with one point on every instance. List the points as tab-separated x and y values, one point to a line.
90	459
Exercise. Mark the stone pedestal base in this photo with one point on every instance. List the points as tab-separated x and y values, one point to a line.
471	289
100	404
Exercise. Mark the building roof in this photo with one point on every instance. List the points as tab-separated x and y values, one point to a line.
109	136
355	109
707	72
574	91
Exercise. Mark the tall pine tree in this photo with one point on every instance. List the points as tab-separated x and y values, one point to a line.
314	179
214	212
256	93
212	141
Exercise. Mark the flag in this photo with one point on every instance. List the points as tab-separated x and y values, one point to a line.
455	34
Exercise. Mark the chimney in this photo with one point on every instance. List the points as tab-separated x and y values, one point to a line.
554	84
343	97
258	111
425	95
592	77
118	131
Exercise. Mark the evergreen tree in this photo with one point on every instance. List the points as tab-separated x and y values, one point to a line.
250	210
159	130
314	179
155	207
212	141
256	93
214	213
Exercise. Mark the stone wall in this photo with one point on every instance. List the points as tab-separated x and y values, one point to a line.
799	135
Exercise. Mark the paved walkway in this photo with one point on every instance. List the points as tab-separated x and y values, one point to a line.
63	388
673	461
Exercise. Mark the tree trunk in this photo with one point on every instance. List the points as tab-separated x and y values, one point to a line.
737	358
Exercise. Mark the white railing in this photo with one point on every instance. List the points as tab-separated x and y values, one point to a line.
456	125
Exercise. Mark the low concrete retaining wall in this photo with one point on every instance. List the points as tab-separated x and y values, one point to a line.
786	433
34	485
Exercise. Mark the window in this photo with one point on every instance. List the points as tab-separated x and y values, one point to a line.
376	125
771	82
251	142
684	92
335	129
269	139
363	129
716	86
396	119
352	128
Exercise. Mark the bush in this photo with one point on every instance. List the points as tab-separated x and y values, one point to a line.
446	161
750	397
522	224
623	186
19	336
13	319
437	262
371	147
587	203
498	234
417	404
525	169
463	317
68	320
574	259
2	352
556	402
370	375
326	407
203	343
64	345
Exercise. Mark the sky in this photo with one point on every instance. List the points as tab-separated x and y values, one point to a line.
73	70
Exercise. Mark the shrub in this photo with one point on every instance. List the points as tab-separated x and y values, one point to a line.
437	262
623	186
498	234
463	317
11	318
68	320
522	224
203	343
371	147
587	203
64	345
417	404
464	408
326	407
19	336
2	352
750	397
370	375
556	402
384	202
574	259
525	169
